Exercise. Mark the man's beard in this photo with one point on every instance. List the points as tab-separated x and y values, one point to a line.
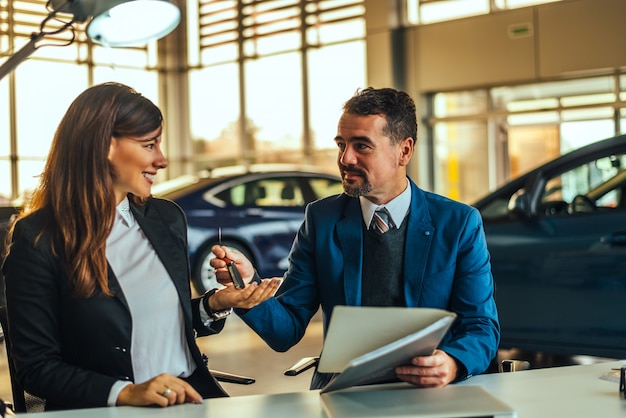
354	189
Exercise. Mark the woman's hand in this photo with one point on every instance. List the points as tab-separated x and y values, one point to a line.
162	390
245	298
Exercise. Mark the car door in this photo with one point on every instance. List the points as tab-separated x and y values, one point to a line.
560	269
267	210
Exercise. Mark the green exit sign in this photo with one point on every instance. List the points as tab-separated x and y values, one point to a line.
520	30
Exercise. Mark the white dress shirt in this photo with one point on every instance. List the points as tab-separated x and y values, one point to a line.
397	207
158	342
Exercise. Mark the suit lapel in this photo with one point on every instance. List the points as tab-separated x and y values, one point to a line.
420	232
350	232
114	286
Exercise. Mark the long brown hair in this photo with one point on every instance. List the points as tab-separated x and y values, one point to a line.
76	187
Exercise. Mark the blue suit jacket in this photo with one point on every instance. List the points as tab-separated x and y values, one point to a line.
446	266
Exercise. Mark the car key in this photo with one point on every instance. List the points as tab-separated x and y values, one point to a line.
235	276
232	268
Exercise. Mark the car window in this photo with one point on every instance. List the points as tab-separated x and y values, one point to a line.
594	185
264	192
323	187
499	207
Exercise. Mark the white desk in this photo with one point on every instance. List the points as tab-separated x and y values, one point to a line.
571	391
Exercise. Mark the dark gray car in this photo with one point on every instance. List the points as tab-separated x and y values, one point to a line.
557	237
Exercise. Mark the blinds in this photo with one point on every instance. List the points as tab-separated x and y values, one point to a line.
263	27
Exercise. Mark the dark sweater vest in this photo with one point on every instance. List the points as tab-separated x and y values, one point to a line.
383	258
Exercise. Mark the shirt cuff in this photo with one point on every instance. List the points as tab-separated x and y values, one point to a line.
205	316
115	391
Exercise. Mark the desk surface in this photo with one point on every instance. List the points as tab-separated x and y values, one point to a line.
569	391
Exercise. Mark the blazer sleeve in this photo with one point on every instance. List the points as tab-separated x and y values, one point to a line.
474	337
33	280
213	327
281	321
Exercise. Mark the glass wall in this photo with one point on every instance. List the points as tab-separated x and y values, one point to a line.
5	145
431	11
35	95
266	84
485	137
264	78
287	66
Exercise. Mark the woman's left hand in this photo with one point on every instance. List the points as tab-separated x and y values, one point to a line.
162	390
246	298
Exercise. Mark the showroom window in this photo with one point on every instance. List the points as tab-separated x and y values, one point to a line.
482	138
34	96
431	11
287	66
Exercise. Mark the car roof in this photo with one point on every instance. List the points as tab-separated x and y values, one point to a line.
617	143
173	188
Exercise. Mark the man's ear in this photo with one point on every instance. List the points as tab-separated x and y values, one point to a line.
405	148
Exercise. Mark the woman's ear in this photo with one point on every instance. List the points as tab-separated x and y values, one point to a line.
112	148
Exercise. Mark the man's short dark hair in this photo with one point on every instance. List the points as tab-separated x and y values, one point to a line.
397	106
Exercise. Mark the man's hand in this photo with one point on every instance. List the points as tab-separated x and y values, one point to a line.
229	297
429	371
223	256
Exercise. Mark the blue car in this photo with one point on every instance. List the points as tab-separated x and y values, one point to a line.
557	238
256	211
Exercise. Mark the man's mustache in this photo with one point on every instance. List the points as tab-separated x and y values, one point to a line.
353	170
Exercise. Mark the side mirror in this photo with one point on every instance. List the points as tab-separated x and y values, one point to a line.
519	204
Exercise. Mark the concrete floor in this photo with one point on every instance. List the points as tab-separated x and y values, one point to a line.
239	350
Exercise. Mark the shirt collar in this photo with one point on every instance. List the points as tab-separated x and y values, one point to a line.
397	207
123	212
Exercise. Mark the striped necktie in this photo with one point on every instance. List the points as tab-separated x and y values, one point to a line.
381	220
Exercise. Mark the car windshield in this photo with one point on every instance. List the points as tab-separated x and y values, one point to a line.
597	183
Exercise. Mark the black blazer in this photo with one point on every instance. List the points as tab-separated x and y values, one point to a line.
70	351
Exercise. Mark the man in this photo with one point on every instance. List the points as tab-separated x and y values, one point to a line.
431	252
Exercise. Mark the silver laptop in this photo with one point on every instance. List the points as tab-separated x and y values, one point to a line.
403	401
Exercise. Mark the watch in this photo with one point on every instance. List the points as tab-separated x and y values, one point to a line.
214	315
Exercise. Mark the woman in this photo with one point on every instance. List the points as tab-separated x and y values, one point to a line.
97	272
